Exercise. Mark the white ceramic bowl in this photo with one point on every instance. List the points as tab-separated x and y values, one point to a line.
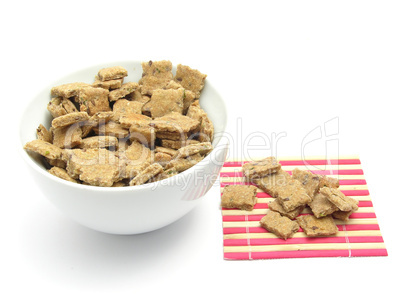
126	210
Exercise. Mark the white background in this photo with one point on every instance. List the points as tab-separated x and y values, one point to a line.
282	67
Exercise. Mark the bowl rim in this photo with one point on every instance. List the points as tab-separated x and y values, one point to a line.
168	181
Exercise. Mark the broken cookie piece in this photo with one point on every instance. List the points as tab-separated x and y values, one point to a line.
239	196
69	119
146	174
143	133
344	215
310	181
314	227
155	75
59	106
177	144
109	84
342	202
182	164
190	79
93	100
174	123
44	148
95	120
43	134
273	183
277	207
125	107
290	193
292	196
68	90
103	141
133	159
281	226
164	101
170	151
123	91
321	206
201	148
111	128
162	158
261	167
196	113
330	182
68	136
61	173
97	167
188	95
112	73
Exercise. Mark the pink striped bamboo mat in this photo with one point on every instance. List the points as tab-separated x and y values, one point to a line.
244	239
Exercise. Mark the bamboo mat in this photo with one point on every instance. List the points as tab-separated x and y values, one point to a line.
244	239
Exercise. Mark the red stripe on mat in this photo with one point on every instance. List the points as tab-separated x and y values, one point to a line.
306	254
304	240
347	227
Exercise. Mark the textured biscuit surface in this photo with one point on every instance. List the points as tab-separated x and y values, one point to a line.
68	90
43	148
170	151
277	207
111	128
190	79
97	167
176	144
124	107
112	73
239	196
174	122
342	202
281	226
43	134
290	193
156	75
182	164
313	226
123	91
310	182
201	148
321	206
261	168
61	173
69	119
330	182
103	141
59	106
93	100
109	84
164	101
146	174
68	136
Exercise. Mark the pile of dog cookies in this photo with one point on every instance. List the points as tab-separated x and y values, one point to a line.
292	193
113	133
